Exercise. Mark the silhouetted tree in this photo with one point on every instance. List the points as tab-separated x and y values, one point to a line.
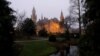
20	18
6	29
43	33
67	35
69	22
89	44
52	38
28	27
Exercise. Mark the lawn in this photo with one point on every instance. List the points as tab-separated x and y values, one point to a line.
37	48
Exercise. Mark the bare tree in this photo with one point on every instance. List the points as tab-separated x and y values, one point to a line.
79	14
20	17
76	11
70	21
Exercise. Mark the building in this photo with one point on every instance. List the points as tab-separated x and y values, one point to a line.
34	16
52	25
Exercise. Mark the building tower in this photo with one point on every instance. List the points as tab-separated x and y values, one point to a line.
34	16
61	18
42	16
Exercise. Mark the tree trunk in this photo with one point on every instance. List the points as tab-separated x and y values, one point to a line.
79	19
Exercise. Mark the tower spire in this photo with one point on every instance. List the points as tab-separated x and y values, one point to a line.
61	16
34	16
41	16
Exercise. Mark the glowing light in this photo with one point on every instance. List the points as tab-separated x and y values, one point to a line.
54	27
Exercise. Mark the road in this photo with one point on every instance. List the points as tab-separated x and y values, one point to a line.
31	40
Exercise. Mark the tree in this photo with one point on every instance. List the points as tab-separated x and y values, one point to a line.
89	46
70	21
76	11
20	17
43	32
6	29
28	27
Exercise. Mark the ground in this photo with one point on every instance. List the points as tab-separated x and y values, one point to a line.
36	48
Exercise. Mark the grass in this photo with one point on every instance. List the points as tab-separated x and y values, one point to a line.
37	48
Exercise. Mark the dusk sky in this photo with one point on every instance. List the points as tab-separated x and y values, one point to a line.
47	8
